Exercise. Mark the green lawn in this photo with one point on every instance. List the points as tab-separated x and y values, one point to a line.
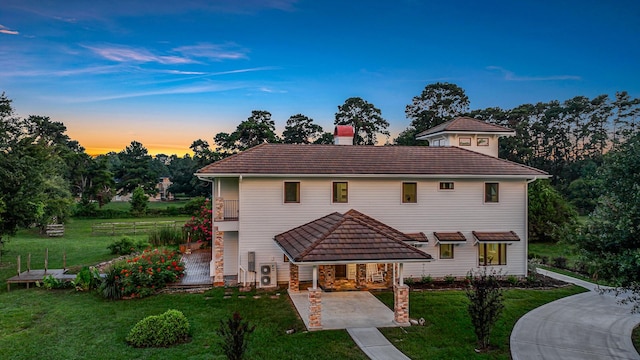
64	324
126	206
448	333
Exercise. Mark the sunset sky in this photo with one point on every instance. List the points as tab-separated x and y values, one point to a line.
166	73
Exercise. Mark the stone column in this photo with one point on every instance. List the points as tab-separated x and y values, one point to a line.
401	304
388	275
218	258
294	280
361	275
329	276
218	209
315	309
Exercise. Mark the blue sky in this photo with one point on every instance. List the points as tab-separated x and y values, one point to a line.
167	73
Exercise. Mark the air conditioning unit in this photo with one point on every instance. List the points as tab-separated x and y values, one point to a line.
268	275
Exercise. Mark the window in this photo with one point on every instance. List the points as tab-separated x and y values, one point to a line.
492	254
291	192
483	141
340	192
446	186
491	192
446	251
409	192
464	141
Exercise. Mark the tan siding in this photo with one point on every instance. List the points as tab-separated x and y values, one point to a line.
263	215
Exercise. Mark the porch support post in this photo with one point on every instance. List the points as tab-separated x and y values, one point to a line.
315	307
361	275
218	258
294	280
401	305
401	272
315	277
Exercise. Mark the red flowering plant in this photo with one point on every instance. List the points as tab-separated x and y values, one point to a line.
199	228
145	274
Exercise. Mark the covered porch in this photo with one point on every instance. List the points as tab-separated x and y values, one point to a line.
352	250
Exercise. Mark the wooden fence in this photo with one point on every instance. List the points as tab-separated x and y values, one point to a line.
122	228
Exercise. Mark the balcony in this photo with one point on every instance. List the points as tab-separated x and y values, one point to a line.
225	216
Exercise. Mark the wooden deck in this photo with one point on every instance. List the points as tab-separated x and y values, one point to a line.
196	270
32	276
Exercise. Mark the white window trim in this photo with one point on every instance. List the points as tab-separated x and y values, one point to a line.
447	190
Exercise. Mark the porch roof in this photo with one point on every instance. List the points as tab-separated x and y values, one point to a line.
449	237
348	238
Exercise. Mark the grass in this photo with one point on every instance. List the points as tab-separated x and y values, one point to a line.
448	333
553	250
635	337
64	324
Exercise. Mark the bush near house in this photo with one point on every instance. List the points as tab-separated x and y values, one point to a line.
143	275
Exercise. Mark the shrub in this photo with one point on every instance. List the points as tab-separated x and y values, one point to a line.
486	304
49	282
426	279
111	286
544	260
145	274
193	206
199	227
87	279
409	281
139	202
513	280
167	329
127	246
560	262
234	336
449	279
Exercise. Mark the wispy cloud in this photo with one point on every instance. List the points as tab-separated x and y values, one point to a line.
511	76
95	70
216	52
129	54
189	89
5	30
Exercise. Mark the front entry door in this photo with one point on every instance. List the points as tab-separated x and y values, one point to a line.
341	272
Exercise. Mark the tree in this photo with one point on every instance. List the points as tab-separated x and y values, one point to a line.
33	187
326	138
301	130
139	202
234	336
438	103
257	129
365	118
135	170
485	304
609	238
551	217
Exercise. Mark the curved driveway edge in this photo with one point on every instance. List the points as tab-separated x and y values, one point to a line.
583	326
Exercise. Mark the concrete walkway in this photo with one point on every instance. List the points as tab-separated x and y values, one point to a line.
360	313
585	326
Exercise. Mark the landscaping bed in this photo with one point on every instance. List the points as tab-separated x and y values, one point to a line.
536	281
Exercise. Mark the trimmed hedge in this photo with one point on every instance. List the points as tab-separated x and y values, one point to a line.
164	330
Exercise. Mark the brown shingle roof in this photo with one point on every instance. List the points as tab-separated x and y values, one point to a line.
347	237
506	236
314	159
466	124
419	237
450	236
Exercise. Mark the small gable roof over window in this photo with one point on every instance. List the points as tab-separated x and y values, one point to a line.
467	125
449	237
496	237
348	238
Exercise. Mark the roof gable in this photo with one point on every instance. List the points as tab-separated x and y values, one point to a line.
352	236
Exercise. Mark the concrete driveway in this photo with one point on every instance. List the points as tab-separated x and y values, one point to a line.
584	326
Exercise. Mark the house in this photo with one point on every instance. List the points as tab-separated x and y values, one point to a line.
365	216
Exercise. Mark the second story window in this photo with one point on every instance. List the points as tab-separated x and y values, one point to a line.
446	185
292	192
491	192
340	192
409	192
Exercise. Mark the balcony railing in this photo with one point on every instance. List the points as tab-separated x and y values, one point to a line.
231	210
